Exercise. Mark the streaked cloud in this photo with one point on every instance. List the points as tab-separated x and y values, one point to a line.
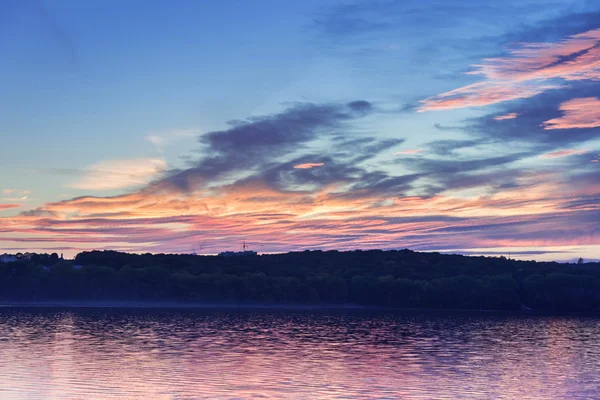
563	153
16	192
483	94
504	117
161	139
8	206
118	174
409	151
550	212
528	70
577	114
308	165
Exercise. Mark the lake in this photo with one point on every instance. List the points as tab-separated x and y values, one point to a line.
153	353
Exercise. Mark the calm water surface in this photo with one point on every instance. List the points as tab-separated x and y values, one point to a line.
108	353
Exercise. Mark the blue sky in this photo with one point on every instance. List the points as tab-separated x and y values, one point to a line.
442	114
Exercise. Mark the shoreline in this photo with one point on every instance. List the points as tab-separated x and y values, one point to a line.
159	305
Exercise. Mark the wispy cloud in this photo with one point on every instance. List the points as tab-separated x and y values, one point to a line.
17	192
118	174
578	113
483	94
8	206
410	151
504	117
563	153
308	165
528	70
162	139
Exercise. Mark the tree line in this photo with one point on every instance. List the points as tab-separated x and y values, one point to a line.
399	279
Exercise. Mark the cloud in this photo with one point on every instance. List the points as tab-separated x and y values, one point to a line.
530	129
17	192
445	166
578	113
119	174
410	151
246	172
504	117
308	165
248	145
8	206
15	195
483	94
563	153
162	139
449	147
545	215
528	70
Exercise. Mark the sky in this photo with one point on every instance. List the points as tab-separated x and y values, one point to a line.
192	126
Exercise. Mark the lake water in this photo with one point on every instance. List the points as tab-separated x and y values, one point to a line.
109	353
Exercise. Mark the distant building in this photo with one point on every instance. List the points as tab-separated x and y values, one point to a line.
7	258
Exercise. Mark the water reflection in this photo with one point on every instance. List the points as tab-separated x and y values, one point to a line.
224	354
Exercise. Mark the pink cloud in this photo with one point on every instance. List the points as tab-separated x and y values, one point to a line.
411	151
525	71
512	115
8	206
563	153
578	113
169	221
482	94
308	165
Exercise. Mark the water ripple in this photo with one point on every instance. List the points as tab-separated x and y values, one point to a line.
259	354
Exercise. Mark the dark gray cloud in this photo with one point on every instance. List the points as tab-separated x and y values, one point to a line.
250	144
445	166
492	173
284	177
380	184
342	166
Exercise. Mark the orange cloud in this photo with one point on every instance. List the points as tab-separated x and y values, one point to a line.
563	153
512	115
578	113
272	220
523	72
8	206
308	165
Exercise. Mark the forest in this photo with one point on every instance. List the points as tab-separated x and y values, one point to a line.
373	278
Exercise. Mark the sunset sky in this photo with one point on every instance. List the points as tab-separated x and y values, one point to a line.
191	126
